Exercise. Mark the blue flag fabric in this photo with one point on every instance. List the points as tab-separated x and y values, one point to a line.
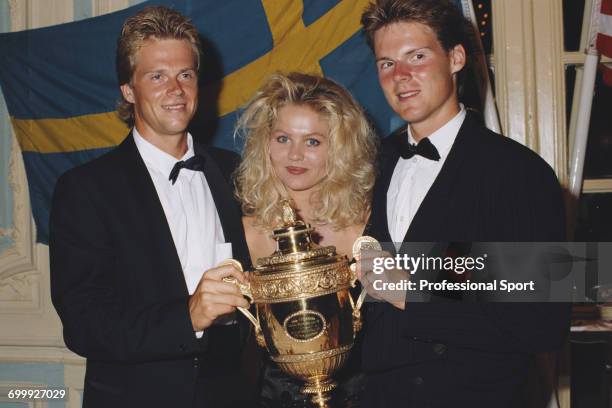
61	89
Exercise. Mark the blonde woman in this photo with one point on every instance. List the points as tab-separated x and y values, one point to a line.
307	140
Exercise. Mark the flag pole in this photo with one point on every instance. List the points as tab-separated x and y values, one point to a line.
490	109
582	123
584	106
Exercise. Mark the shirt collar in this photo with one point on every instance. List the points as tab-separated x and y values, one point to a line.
444	137
159	160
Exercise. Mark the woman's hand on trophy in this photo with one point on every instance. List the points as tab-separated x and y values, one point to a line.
215	297
380	277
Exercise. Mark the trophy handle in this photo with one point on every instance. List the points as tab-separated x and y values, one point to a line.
363	242
356	305
357	310
245	289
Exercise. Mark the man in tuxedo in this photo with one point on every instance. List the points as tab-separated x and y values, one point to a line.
444	177
138	236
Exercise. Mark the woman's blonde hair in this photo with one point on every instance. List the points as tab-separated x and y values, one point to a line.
343	196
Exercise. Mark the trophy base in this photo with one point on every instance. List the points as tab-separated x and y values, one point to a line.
316	370
321	388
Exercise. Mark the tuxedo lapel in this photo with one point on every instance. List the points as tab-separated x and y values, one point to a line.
231	221
428	223
378	226
142	188
230	217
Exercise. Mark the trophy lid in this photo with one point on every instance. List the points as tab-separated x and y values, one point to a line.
293	243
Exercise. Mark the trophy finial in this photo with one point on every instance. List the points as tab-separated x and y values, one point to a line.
288	213
293	235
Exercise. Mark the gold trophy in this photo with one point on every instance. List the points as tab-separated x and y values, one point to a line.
305	316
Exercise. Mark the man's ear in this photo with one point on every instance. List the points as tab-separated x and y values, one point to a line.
457	58
126	91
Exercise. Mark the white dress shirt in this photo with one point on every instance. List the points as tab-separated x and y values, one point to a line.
189	209
412	178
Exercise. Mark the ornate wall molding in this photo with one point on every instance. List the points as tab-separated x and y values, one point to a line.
514	77
25	299
529	77
550	81
18	263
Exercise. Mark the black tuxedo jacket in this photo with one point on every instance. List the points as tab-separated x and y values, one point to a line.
449	353
117	282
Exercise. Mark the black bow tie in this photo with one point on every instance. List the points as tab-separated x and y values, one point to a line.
424	148
195	163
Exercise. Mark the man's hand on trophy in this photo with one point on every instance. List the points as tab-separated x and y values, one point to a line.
214	297
381	278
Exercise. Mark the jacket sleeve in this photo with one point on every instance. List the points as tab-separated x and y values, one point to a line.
87	295
545	325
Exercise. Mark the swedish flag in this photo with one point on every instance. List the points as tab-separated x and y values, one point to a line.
61	90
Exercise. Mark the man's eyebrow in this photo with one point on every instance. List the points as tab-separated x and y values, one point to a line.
154	70
417	50
163	70
407	53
